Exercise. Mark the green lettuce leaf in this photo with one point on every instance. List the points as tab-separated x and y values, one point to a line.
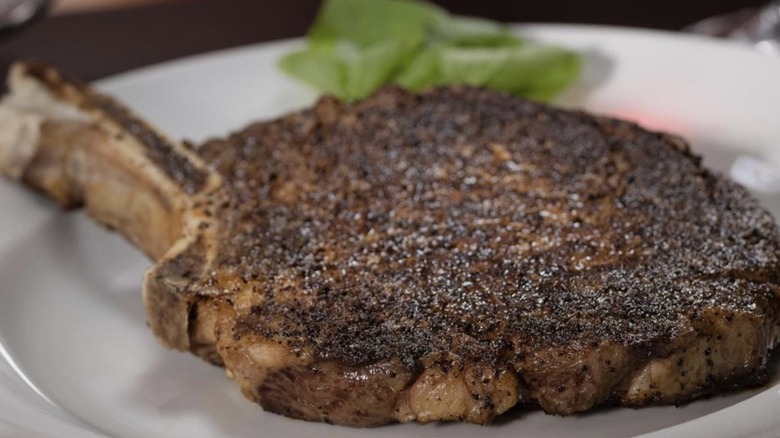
422	70
347	70
367	22
528	70
471	31
356	46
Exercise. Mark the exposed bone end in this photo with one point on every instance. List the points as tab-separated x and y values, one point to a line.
23	113
55	136
19	134
81	147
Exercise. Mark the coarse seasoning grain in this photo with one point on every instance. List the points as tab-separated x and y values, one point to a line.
467	221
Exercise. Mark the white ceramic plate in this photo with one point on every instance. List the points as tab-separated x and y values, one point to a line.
77	360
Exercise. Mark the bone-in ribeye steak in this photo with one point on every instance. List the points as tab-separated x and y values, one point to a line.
418	257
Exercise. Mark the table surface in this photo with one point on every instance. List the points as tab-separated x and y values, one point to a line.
97	44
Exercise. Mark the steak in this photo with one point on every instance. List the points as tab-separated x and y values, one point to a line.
445	255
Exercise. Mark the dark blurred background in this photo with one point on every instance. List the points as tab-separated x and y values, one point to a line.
97	38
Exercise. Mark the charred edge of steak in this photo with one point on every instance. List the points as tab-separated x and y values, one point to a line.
712	387
334	393
159	149
751	378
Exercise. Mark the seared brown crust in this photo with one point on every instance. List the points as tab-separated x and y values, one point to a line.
467	221
583	260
